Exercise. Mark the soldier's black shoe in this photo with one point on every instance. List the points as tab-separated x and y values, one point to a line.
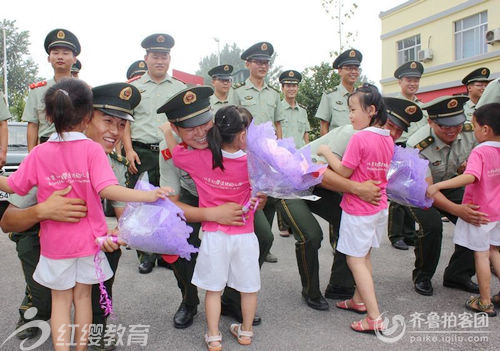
228	309
319	303
338	292
400	245
424	287
183	318
28	333
468	286
146	267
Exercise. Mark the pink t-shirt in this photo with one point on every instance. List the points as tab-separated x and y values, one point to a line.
369	154
81	163
216	187
484	164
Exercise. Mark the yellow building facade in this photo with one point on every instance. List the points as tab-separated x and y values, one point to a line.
447	36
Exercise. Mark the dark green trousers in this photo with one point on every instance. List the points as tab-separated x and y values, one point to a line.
183	269
428	245
35	295
328	208
149	163
308	236
401	225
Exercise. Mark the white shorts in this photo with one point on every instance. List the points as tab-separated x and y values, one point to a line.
231	260
358	234
477	238
63	274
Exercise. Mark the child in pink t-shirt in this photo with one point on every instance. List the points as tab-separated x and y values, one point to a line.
362	225
482	180
66	264
228	254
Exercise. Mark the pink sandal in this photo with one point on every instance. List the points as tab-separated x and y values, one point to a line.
350	305
244	337
373	325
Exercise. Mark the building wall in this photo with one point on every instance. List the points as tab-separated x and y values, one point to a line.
434	21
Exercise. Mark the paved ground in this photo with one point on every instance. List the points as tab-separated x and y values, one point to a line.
288	324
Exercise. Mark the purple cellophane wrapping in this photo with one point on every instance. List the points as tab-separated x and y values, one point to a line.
158	227
406	178
276	167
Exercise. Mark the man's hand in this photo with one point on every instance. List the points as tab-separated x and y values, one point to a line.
132	158
59	208
432	190
228	214
462	167
369	191
469	213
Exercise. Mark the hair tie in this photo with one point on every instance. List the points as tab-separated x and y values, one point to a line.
63	91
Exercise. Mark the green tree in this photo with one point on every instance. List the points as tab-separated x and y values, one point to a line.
21	69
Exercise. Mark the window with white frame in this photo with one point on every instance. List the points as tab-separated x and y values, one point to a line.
470	36
408	49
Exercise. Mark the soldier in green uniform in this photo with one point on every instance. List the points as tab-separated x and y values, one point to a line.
75	69
475	82
111	112
341	284
446	143
333	110
62	46
401	226
136	70
142	137
4	131
294	122
221	81
491	93
192	129
263	102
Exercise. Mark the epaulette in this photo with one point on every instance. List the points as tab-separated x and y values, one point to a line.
276	90
425	143
305	108
119	158
133	79
468	127
38	84
238	85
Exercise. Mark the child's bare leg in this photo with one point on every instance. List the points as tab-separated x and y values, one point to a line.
61	318
212	310
495	260
483	272
364	284
248	308
83	314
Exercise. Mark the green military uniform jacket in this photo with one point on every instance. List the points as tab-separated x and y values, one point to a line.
145	128
263	104
333	107
217	104
119	166
294	122
414	126
490	94
34	111
336	140
4	112
172	176
469	108
444	160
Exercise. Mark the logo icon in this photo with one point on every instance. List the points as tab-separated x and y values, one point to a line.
390	334
44	327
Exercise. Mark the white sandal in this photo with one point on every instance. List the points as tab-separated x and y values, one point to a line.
209	340
244	337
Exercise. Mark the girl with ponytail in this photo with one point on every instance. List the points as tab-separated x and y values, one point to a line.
228	254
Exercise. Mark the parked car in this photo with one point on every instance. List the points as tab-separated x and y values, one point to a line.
16	152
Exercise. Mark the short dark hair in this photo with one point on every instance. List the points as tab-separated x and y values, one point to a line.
369	95
67	103
489	115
